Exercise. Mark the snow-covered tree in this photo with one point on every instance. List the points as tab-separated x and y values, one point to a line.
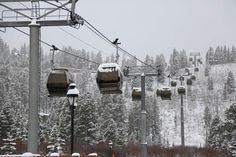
232	144
207	120
8	145
230	83
55	142
6	123
86	120
210	85
215	134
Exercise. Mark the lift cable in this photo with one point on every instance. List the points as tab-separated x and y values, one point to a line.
101	35
86	43
53	46
111	42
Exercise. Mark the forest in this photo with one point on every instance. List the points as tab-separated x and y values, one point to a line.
103	118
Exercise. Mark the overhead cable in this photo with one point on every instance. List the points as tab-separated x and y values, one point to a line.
101	35
52	46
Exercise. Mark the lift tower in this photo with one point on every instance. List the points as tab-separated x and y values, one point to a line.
29	15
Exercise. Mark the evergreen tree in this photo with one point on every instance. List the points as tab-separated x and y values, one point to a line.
134	123
225	92
183	59
229	125
86	120
161	65
55	142
233	55
174	62
210	83
6	123
232	144
207	121
215	135
230	83
207	70
210	57
8	145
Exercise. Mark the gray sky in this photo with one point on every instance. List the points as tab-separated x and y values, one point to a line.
146	26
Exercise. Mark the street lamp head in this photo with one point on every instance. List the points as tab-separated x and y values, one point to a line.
72	93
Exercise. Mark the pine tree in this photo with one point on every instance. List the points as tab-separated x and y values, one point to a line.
55	141
207	70
210	57
86	120
207	121
232	144
233	55
230	83
6	123
225	92
174	62
8	145
161	65
134	123
210	83
183	59
215	135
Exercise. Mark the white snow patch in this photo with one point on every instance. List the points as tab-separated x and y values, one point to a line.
108	67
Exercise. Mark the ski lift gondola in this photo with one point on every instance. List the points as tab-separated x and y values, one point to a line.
181	90
189	82
136	94
187	70
58	82
181	78
109	78
173	83
193	77
165	93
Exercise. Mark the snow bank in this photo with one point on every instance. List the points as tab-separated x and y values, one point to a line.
93	154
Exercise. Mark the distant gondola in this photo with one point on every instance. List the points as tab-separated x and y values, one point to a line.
187	70
136	94
193	77
181	78
181	90
109	78
58	82
189	82
173	83
165	93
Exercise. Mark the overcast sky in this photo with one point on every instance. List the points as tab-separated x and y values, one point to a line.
146	26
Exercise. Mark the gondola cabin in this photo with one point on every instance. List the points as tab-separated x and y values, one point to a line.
181	90
58	82
165	93
136	94
158	92
173	83
187	70
196	69
181	78
193	77
109	78
199	61
189	82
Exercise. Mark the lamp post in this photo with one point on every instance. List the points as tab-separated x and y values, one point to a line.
72	95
